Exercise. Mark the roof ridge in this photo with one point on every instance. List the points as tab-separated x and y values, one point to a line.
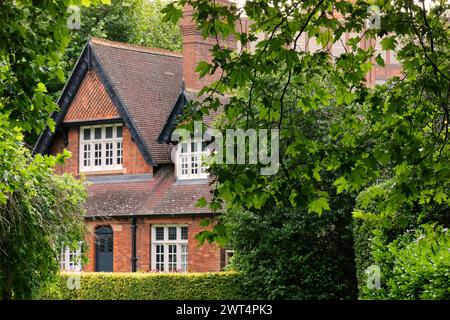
134	47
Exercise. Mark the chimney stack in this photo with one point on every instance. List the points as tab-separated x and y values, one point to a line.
196	49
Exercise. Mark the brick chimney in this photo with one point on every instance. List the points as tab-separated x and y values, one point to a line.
196	49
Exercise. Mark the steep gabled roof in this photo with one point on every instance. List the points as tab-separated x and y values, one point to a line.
143	83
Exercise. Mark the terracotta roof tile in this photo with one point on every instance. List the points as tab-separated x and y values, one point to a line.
161	195
91	101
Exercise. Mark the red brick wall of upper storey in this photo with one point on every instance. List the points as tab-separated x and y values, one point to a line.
133	161
205	258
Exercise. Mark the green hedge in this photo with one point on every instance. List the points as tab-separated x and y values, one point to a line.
144	286
298	255
411	247
415	266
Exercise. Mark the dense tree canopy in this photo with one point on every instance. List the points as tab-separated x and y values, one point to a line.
39	210
398	130
129	21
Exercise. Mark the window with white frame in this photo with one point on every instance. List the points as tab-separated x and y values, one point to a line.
101	147
170	248
190	156
228	255
70	258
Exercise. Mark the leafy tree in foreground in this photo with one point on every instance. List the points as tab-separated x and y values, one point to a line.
397	131
39	211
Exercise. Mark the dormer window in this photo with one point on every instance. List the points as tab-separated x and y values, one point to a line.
189	162
101	148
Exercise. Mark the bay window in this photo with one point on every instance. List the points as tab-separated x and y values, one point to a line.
169	248
101	147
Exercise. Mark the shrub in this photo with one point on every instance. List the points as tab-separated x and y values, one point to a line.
293	254
414	266
144	286
410	268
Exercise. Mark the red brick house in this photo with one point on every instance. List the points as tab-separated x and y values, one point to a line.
117	113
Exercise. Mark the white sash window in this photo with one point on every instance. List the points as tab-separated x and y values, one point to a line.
169	248
101	148
189	160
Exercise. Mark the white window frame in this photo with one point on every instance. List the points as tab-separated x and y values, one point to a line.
228	255
185	163
179	243
92	142
70	259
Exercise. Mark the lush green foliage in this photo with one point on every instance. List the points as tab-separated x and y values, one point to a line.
145	286
416	265
381	237
291	254
39	211
396	132
130	21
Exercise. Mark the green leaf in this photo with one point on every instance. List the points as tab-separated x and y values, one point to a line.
379	60
318	205
203	68
201	203
389	43
341	185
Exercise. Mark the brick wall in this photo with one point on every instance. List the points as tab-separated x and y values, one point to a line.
196	49
133	161
205	258
71	164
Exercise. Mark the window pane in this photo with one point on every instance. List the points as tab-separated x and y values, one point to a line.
109	132
172	233
87	155
98	133
172	257
183	257
159	257
193	147
119	153
159	233
184	147
184	233
87	134
184	165
194	164
109	153
119	132
98	154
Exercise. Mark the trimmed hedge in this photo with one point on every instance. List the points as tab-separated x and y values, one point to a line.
144	286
